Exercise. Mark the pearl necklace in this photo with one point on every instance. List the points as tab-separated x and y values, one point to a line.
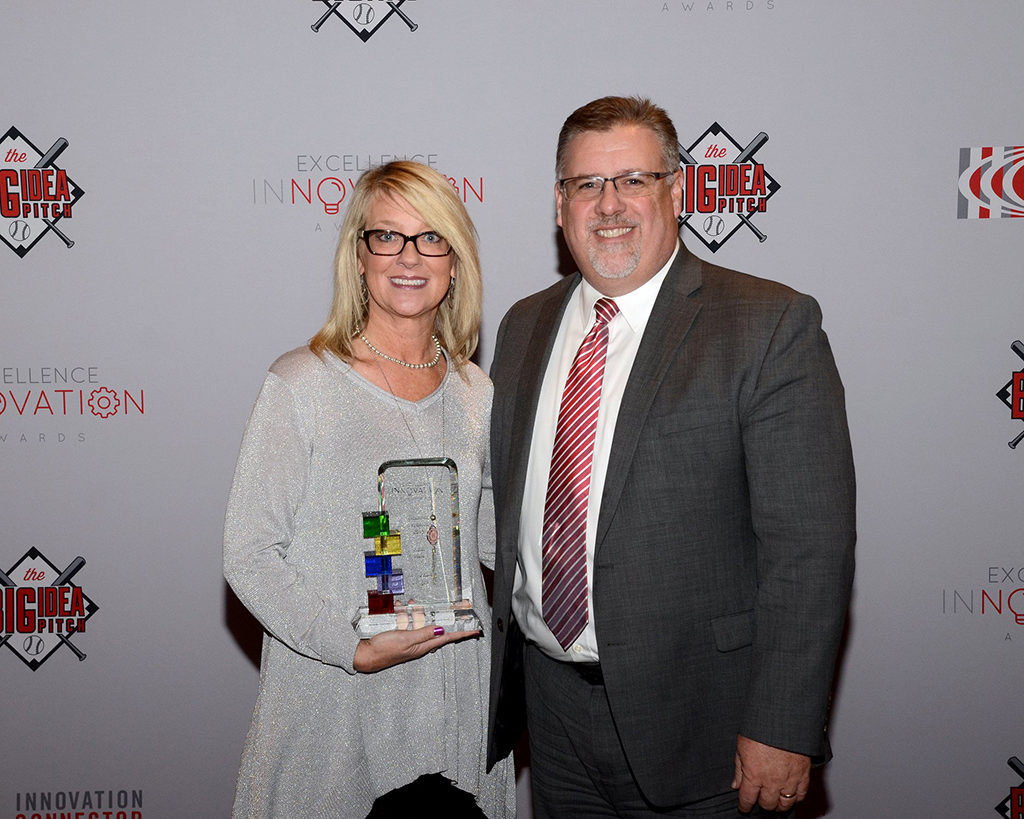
425	365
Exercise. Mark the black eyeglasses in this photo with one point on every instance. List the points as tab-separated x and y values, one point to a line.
638	183
392	243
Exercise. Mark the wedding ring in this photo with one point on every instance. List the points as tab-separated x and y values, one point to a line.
786	795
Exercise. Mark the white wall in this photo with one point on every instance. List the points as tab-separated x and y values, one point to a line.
187	278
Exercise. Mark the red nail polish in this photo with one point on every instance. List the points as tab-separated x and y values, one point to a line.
438	631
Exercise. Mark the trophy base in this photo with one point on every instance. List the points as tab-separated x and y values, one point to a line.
451	617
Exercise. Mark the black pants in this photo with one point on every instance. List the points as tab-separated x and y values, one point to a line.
430	795
577	765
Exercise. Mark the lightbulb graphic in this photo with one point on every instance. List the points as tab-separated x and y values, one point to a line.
331	191
1018	608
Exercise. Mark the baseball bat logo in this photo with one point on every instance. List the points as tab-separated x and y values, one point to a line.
1012	807
725	185
360	16
41	609
35	193
1012	394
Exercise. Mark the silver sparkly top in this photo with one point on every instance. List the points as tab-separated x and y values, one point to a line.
325	741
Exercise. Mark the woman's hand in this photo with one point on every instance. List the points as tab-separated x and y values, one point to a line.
394	647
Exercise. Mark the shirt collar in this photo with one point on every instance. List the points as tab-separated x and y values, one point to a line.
634	306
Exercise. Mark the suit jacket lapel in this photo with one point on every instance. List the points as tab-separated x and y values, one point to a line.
535	360
671	318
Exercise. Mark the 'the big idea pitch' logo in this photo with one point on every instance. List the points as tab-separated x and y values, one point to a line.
363	17
1012	807
41	609
35	194
724	187
1012	393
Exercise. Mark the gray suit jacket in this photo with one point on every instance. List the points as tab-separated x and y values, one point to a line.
724	551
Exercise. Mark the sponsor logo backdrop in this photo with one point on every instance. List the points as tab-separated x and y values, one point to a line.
171	181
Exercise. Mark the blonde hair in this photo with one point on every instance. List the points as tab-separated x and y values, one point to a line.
457	324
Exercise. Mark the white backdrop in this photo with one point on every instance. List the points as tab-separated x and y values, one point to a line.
194	133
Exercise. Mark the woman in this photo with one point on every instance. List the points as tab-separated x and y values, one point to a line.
341	721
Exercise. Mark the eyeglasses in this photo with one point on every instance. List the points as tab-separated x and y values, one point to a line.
638	183
392	243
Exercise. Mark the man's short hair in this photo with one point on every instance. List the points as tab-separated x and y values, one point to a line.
607	113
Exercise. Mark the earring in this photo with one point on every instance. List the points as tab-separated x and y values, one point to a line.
364	292
451	292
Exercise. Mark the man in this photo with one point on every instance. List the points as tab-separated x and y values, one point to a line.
675	507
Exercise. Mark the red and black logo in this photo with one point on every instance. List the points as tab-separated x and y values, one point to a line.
363	17
1012	393
724	187
1012	807
35	194
41	609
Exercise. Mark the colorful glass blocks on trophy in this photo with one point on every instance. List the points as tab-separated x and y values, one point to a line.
375	524
380	602
388	544
377	565
394	582
390	581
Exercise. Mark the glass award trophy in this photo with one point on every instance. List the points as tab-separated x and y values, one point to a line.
414	568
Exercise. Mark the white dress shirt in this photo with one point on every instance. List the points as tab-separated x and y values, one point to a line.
625	332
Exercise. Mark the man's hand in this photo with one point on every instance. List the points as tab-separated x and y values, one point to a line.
770	777
393	647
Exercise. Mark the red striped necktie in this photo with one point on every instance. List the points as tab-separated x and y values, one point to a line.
564	574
